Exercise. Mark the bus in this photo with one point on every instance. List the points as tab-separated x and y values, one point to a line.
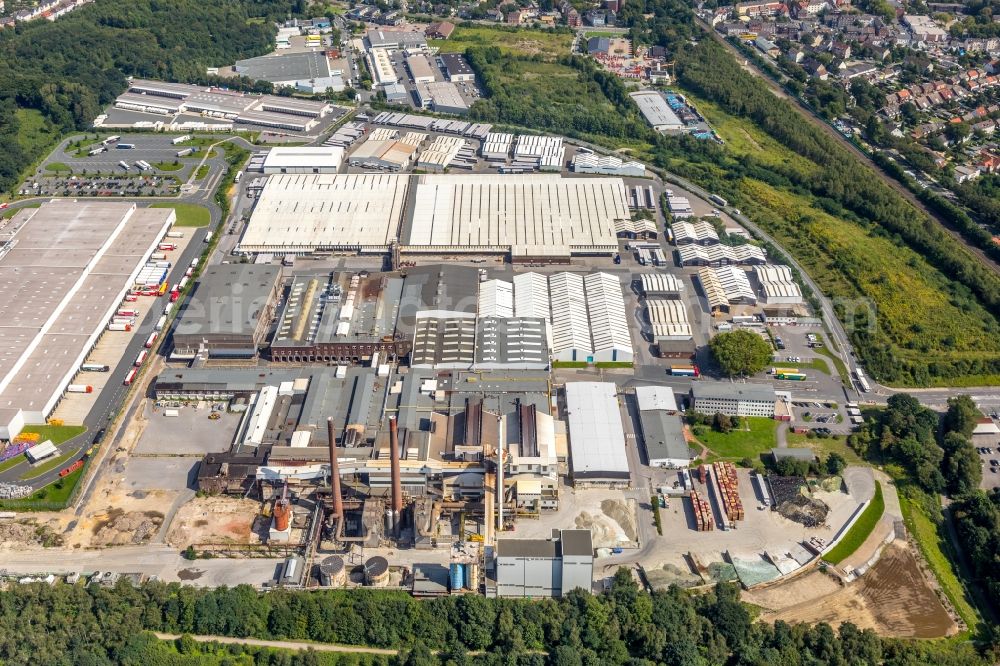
859	375
125	146
97	151
717	200
123	164
143	165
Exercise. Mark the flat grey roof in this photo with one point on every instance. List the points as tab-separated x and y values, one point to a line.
596	436
455	63
796	453
515	341
289	67
663	435
527	548
730	391
577	542
228	300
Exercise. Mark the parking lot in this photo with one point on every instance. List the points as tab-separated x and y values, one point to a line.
988	449
191	433
467	89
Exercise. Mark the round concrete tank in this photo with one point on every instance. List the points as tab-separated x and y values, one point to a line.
332	571
377	572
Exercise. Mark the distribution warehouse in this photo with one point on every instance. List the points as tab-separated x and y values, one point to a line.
64	268
537	216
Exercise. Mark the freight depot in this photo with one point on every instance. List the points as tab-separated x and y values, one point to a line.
65	268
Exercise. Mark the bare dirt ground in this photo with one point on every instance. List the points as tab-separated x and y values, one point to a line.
28	533
615	524
214	520
893	598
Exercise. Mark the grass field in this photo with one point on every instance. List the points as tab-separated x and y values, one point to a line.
188	215
201	172
57	167
860	530
838	363
741	443
823	447
35	133
817	364
48	465
522	42
938	554
55	493
169	166
58	434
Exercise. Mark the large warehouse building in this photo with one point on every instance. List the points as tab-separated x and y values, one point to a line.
531	218
596	436
65	268
300	214
526	216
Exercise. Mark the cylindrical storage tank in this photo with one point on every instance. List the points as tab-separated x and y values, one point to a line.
457	576
472	576
332	571
377	571
282	515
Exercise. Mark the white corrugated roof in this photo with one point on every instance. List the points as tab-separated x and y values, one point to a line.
596	437
570	327
655	397
606	312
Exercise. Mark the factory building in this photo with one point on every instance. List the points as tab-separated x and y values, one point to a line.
269	111
290	70
513	343
456	68
420	68
441	96
384	149
395	40
661	285
65	267
340	318
303	214
777	285
544	568
656	111
542	152
720	255
662	429
444	340
570	327
668	320
694	233
304	159
531	296
496	299
497	146
380	67
608	322
607	165
531	217
596	436
229	312
441	153
733	399
734	283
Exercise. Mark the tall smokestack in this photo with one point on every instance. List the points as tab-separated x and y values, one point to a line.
397	486
338	500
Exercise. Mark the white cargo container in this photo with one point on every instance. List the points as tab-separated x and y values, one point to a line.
175	234
168	308
160	324
171	412
79	388
119	327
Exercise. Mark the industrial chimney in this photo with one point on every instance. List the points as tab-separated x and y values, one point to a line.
397	486
338	500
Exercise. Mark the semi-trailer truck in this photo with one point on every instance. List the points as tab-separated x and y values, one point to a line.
130	376
79	388
94	367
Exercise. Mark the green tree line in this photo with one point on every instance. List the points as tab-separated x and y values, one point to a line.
73	624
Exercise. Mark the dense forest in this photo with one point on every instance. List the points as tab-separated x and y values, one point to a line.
66	624
69	69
